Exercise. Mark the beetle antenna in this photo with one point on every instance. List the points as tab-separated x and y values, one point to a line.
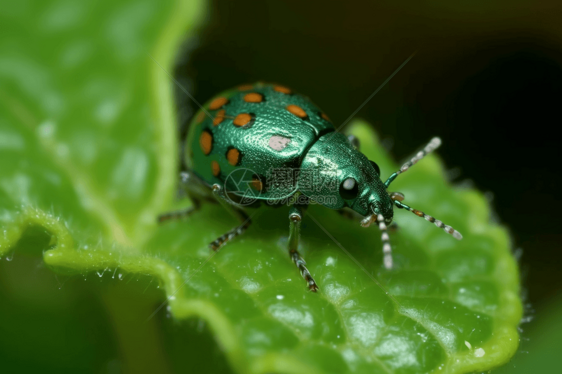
386	248
448	229
431	146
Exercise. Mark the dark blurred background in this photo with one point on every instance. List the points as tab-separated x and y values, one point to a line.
487	78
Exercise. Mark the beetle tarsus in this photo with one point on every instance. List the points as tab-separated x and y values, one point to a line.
225	238
301	265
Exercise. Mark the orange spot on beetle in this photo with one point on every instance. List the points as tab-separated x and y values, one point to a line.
219	117
218	102
253	97
243	119
200	117
282	89
206	142
233	156
215	168
297	111
325	116
256	184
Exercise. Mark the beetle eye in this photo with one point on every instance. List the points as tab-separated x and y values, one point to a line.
377	169
349	189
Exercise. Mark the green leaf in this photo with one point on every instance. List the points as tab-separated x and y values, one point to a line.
88	153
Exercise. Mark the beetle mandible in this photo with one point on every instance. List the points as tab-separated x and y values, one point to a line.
256	131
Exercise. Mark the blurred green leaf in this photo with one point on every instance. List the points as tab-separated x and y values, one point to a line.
88	153
542	339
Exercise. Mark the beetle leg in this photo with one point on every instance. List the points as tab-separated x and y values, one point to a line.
238	213
183	190
225	238
179	214
295	218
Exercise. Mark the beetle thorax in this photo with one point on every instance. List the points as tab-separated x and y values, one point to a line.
336	175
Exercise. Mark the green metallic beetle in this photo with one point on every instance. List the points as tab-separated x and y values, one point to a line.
262	143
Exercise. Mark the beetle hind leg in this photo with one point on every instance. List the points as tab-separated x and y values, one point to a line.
295	218
225	238
179	214
185	189
235	211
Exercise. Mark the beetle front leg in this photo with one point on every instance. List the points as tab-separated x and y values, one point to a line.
295	217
